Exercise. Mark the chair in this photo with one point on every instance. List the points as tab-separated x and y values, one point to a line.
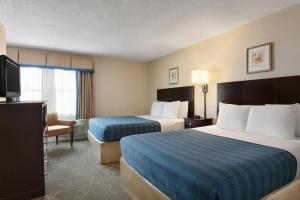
57	127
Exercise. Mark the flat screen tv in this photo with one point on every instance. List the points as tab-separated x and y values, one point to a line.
9	78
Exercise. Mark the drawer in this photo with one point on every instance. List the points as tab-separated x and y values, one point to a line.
193	123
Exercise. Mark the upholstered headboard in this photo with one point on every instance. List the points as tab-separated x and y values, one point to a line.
281	90
178	94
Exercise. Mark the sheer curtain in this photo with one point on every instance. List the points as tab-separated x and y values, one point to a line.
65	86
57	87
48	91
31	84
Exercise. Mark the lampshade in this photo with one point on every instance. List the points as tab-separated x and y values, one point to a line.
200	77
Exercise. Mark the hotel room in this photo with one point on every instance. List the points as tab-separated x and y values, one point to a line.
147	100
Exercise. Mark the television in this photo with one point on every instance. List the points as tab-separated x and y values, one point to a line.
10	87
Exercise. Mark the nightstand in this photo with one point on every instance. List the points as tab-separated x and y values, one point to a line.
193	123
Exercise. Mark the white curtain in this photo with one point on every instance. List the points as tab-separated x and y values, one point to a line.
31	84
48	91
57	87
65	87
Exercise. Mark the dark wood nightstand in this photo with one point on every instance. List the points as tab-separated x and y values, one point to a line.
193	123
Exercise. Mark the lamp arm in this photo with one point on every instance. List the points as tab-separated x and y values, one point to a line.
204	90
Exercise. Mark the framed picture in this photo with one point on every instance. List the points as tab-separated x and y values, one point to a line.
259	58
174	76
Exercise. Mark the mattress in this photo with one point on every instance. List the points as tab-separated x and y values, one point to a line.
111	129
190	164
166	124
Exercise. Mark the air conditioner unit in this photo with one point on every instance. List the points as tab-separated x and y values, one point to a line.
80	130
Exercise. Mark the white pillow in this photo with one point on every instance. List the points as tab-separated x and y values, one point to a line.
170	109
183	109
297	107
156	109
272	120
232	117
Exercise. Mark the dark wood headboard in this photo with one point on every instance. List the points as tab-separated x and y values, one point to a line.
178	94
282	90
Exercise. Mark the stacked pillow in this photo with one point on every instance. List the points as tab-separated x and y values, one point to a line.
183	109
297	110
157	108
174	109
233	117
281	121
170	109
273	120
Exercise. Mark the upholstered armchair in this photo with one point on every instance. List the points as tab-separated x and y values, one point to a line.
57	127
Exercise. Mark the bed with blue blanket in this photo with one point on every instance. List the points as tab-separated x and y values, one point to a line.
105	132
111	129
196	164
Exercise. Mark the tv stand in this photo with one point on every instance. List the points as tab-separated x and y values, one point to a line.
9	100
22	150
12	99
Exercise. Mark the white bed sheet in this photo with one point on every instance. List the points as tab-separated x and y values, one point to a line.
166	124
292	146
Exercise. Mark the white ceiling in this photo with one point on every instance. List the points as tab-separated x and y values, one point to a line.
131	29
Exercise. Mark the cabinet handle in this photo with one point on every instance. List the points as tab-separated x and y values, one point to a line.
190	123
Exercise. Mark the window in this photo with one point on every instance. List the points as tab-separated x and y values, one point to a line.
31	84
56	86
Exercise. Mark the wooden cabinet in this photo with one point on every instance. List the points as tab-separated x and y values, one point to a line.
193	123
21	150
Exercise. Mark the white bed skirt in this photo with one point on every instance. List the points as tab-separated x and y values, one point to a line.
105	152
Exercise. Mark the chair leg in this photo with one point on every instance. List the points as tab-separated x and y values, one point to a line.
72	138
56	140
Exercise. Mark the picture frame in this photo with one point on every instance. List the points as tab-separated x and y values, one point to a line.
259	58
173	76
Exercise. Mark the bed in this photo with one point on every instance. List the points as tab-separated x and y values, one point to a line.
105	132
213	163
176	161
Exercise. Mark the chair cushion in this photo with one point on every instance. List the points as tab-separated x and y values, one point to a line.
57	130
52	119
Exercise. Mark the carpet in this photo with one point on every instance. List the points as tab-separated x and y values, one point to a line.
75	174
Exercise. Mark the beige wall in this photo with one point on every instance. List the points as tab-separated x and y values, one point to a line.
2	40
120	87
225	56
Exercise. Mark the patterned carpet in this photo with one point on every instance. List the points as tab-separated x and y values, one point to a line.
74	173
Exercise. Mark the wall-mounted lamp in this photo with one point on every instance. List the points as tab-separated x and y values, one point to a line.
201	77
